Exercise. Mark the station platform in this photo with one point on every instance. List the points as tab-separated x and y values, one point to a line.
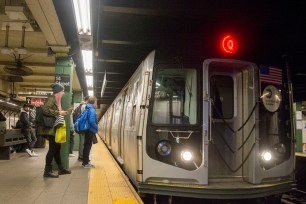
22	181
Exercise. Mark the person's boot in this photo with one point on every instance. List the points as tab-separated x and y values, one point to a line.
48	172
62	170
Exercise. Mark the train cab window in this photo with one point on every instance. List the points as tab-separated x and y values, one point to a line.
175	97
222	95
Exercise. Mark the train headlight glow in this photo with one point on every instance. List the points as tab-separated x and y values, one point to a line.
164	148
266	156
186	155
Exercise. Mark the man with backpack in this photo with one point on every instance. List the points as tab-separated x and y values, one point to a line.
91	132
76	113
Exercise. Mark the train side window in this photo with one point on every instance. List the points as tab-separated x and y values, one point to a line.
134	103
222	95
117	112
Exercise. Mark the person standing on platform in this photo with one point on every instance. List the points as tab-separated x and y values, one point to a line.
53	107
93	129
81	135
71	134
26	129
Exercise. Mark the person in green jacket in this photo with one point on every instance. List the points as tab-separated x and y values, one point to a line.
52	107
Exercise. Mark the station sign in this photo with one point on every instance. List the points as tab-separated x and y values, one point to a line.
35	101
63	79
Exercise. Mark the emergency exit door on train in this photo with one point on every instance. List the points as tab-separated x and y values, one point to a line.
229	91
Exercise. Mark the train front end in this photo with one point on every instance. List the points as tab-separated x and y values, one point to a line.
218	129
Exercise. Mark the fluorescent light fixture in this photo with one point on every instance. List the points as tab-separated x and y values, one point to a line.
89	80
82	16
87	60
13	104
103	85
90	93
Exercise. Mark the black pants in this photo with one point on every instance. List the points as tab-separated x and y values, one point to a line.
71	143
87	146
54	152
29	134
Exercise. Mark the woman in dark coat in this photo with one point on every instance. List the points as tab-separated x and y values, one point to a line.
52	107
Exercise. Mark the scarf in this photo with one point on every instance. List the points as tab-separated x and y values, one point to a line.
58	98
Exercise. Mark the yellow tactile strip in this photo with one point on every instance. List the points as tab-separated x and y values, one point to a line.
107	182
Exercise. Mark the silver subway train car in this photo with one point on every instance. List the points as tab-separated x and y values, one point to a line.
215	128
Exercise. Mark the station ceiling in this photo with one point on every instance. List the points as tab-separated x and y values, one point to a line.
124	32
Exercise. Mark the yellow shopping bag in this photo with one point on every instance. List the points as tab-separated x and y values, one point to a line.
60	135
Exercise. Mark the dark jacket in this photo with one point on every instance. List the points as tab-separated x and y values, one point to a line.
93	121
50	108
25	119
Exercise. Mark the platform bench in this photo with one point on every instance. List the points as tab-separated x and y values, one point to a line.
9	137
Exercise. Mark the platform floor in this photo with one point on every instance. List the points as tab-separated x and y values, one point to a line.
22	181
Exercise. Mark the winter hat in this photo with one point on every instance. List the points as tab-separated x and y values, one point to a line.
26	105
56	88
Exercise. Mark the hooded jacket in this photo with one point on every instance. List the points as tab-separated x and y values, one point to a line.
93	122
50	108
24	119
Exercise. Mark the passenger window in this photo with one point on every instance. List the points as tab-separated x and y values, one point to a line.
117	112
134	103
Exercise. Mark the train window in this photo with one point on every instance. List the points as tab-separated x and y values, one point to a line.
175	97
117	112
222	95
134	103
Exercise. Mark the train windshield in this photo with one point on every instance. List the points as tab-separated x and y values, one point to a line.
175	97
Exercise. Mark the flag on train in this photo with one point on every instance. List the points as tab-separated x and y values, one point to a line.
270	75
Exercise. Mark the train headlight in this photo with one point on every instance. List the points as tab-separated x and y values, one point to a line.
266	156
163	148
186	155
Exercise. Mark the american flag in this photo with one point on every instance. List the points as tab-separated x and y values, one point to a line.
270	75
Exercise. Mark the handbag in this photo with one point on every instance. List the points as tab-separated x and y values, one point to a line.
48	121
59	121
60	135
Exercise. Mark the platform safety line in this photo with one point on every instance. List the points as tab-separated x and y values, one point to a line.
107	185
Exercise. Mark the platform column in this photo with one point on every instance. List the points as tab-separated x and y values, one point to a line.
77	99
64	74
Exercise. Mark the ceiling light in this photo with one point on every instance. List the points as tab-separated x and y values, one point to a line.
90	92
87	60
89	80
82	16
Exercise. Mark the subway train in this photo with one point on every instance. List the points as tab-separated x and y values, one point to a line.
192	125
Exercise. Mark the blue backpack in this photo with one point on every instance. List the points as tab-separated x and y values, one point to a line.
82	124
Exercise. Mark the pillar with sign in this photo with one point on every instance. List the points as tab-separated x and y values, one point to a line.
64	75
77	99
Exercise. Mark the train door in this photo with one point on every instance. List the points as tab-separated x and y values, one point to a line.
229	112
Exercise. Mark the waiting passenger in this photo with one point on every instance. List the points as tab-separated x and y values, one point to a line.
76	113
26	129
91	133
71	144
2	117
53	107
